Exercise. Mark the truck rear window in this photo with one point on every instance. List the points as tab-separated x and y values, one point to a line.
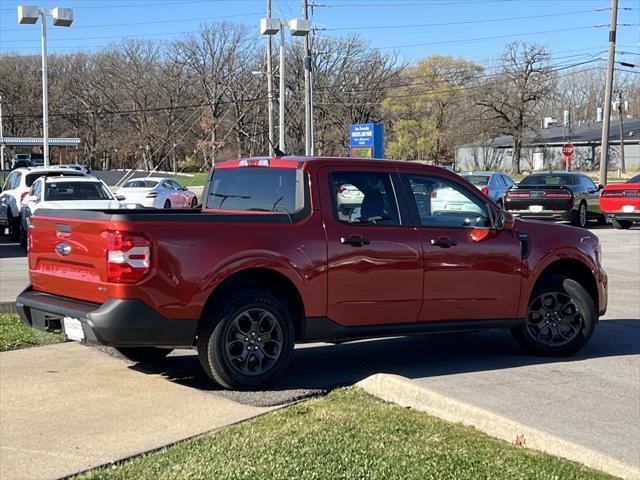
257	189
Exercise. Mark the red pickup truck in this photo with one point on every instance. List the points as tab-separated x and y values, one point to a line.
274	257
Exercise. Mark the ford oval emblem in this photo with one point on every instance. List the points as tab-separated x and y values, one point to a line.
63	249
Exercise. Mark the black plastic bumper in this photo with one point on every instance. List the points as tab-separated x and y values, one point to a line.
630	217
117	322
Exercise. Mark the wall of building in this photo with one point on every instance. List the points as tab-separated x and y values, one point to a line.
586	158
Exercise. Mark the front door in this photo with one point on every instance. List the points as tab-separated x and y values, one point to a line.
471	271
375	271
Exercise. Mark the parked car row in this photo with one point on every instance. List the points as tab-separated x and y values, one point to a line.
71	186
562	196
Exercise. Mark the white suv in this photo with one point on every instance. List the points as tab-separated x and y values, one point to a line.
16	188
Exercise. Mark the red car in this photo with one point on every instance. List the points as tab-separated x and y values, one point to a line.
621	202
273	258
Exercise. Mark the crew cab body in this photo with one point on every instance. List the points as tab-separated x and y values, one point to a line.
274	229
621	202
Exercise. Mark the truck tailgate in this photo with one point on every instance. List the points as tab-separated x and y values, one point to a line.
67	257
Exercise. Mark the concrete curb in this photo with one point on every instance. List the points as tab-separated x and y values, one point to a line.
404	392
8	307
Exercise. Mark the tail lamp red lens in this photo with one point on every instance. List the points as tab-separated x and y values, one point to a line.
518	194
128	257
485	190
557	195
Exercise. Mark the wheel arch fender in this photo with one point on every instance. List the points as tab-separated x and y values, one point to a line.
572	264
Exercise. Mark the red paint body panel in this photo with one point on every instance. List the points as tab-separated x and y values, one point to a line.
629	195
398	278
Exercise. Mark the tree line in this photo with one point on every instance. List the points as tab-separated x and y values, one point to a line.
202	98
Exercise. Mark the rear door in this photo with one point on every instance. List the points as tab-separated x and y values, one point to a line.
471	272
374	255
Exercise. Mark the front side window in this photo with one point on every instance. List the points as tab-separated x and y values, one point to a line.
364	198
175	185
257	189
443	203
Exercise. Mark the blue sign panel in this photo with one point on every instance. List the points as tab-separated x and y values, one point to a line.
366	140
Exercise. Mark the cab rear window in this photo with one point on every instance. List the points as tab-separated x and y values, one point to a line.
257	189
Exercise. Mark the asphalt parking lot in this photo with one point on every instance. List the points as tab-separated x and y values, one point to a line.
592	398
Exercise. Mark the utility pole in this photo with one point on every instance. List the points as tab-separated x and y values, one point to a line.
308	95
270	86
281	144
604	149
621	114
1	144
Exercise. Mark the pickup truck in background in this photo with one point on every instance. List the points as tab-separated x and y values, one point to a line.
273	258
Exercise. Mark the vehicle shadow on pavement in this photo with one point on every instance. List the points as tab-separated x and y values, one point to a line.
318	368
11	249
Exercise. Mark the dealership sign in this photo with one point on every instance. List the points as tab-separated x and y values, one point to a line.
366	140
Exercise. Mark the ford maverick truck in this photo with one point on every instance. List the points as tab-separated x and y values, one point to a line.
275	256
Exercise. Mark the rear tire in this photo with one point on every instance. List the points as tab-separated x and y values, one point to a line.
231	340
22	237
14	228
194	202
561	317
621	224
579	217
144	354
167	204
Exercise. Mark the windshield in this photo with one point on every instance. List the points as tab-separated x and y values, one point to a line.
549	179
140	184
477	180
76	191
32	177
257	189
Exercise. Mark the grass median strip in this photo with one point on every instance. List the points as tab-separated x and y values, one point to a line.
347	434
14	334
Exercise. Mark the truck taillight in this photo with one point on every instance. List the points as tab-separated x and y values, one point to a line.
128	257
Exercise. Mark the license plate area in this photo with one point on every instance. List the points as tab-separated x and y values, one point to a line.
73	329
628	208
535	208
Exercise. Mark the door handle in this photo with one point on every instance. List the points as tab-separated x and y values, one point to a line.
355	240
443	242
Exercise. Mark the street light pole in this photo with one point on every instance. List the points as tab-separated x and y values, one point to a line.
604	149
62	17
45	92
270	86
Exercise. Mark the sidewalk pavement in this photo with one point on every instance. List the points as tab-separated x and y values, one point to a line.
67	408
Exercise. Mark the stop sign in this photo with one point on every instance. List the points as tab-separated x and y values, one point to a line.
567	150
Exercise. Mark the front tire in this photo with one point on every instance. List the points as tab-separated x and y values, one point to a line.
580	217
14	228
621	224
246	341
144	354
561	317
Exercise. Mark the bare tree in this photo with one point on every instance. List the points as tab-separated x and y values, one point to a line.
510	98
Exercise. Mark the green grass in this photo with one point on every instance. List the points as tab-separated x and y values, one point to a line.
14	334
197	180
346	435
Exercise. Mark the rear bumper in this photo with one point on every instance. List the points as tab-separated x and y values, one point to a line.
560	215
117	322
631	217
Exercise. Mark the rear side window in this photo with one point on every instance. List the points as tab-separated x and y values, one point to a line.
364	198
257	189
140	184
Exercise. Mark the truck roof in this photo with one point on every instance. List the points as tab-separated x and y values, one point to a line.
301	161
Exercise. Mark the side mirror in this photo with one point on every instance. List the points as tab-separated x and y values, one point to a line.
120	198
600	186
504	220
183	188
